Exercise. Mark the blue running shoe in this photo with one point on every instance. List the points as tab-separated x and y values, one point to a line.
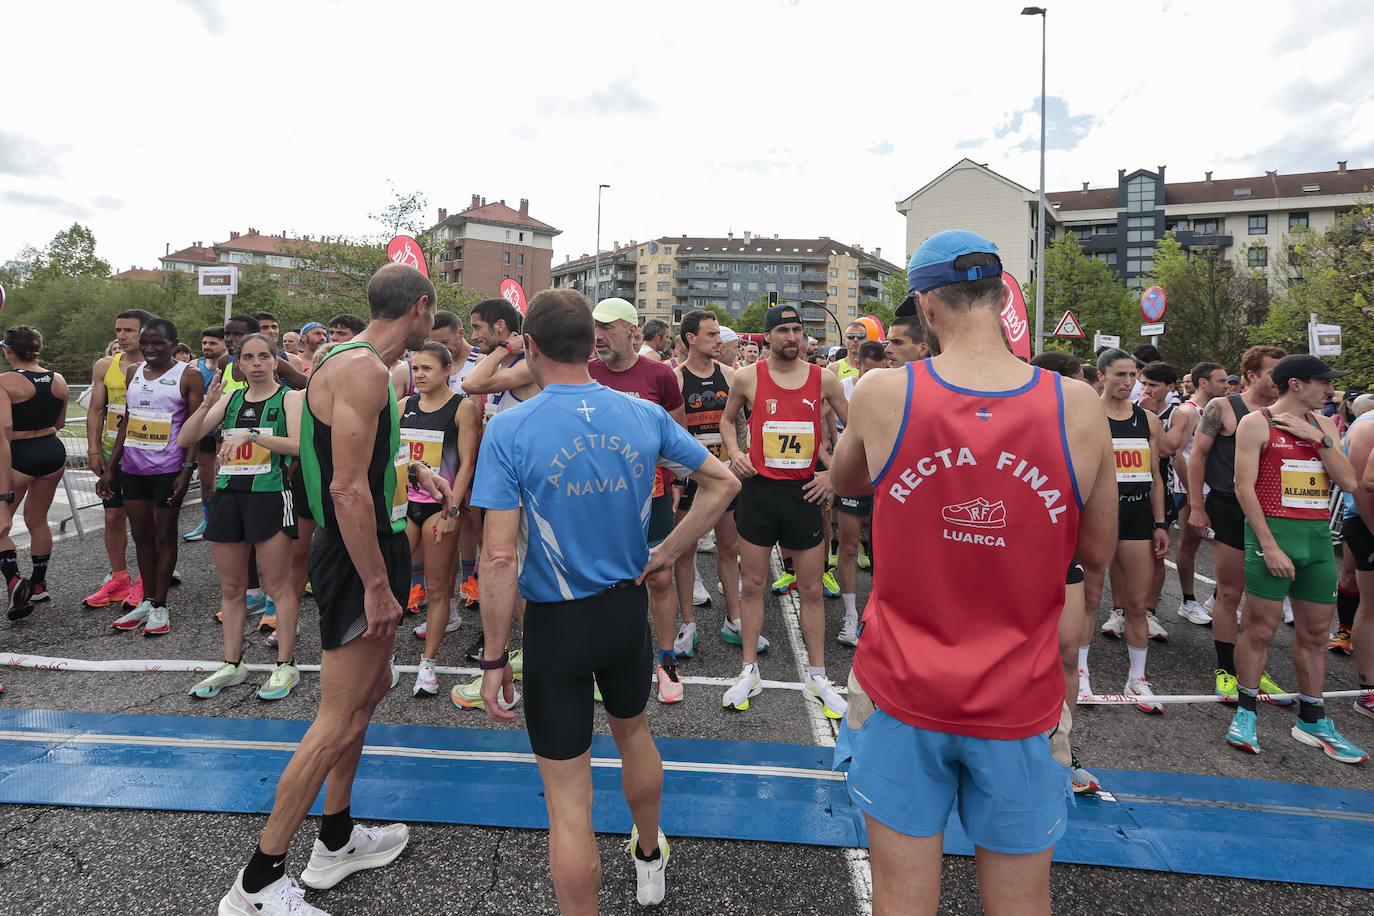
1241	734
829	584
257	605
1323	734
196	534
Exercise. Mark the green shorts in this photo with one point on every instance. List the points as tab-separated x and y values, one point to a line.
1308	544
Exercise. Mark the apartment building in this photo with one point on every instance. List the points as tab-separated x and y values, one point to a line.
251	247
490	242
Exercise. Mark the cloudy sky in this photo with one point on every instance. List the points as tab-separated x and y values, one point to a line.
172	122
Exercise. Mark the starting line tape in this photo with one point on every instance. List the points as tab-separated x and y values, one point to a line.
1117	699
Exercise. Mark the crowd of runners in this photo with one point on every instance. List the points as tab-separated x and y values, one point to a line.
562	469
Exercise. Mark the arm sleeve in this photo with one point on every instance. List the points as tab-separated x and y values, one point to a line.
495	483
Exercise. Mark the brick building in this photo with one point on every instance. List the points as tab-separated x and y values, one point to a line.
488	243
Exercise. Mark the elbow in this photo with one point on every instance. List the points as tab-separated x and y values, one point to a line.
499	560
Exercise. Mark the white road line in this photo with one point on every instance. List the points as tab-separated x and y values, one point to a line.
1197	575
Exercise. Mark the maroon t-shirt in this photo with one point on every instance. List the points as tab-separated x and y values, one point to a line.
648	379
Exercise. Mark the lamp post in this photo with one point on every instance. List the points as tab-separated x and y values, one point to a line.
596	277
1040	224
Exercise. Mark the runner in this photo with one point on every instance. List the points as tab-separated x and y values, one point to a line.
108	387
854	512
344	327
156	470
313	336
33	407
1214	466
1209	381
448	330
1354	632
783	494
271	329
978	461
1141	531
855	334
655	339
583	579
1157	381
252	509
212	348
350	445
1286	459
729	347
906	339
748	354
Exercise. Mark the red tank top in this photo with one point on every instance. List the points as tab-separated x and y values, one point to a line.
1292	481
980	492
785	426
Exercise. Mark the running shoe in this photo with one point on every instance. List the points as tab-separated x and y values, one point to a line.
134	619
1193	612
784	582
226	675
1085	689
517	663
1365	706
197	533
395	672
1288	613
864	561
832	703
470	592
40	593
1323	734
426	681
669	685
1339	643
474	651
1242	734
1139	687
159	622
418	599
1268	687
745	686
832	559
829	585
650	884
307	592
111	591
700	596
257	604
279	683
849	632
21	594
685	646
1226	685
1116	624
1210	605
368	847
454	622
707	542
469	695
1084	783
176	577
1157	631
283	897
268	623
730	632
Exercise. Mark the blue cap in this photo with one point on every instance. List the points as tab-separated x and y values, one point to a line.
312	325
932	265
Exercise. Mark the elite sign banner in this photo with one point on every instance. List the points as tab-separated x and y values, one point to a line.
1014	321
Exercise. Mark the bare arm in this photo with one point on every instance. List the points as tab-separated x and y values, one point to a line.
1095	470
59	390
1208	429
741	394
499	571
716	486
95	415
489	376
207	417
1158	491
6	430
1338	466
469	420
289	371
849	466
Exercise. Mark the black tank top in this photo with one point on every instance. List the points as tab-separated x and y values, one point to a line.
1221	460
1131	443
442	455
703	401
40	411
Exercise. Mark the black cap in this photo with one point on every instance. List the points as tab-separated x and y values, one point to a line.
1302	366
780	314
908	307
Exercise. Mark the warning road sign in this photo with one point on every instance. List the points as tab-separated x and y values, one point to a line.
1068	327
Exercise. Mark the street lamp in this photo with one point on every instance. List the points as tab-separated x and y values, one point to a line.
1040	225
596	278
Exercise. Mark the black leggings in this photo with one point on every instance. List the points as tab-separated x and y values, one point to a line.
37	457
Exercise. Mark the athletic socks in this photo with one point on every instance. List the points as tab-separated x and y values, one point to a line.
850	608
1190	597
1137	657
253	594
262	870
1246	696
40	569
813	671
1084	683
1311	709
9	564
651	857
787	565
417	574
469	569
335	829
1226	656
1347	603
205	509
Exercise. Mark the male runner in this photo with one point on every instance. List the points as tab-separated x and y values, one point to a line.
448	330
978	461
1214	465
109	379
359	559
855	334
748	354
1209	381
1286	459
582	577
313	336
1354	631
853	512
1157	382
271	329
906	339
729	347
211	348
655	339
344	327
783	494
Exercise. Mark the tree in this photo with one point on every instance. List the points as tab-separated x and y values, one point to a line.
1213	304
750	320
1079	283
723	316
71	253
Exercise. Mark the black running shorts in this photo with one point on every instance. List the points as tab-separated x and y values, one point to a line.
298	495
1135	520
660	519
209	445
1228	519
244	517
156	487
338	589
419	513
117	485
566	643
38	457
1075	575
855	505
776	512
1361	543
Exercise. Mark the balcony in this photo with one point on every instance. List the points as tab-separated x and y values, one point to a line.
681	291
624	276
869	283
814	295
1191	239
813	276
1101	241
679	275
869	300
814	314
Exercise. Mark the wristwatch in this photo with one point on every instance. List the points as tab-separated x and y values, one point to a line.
1161	526
496	665
1327	442
253	434
414	472
503	343
7	497
452	511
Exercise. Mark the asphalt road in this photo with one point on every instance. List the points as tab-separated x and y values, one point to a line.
65	860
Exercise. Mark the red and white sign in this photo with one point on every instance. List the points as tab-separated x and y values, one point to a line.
2	295
1153	302
1014	321
405	250
1068	327
514	294
219	280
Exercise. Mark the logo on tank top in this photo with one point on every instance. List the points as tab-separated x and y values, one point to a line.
771	405
976	513
249	412
167	381
809	403
983	413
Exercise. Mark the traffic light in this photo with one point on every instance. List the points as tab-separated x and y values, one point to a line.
772	298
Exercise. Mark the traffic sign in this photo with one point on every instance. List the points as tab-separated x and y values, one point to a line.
512	292
1153	302
1101	340
1152	330
405	250
1069	327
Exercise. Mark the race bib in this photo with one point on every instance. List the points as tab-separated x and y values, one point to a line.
713	443
248	459
425	445
149	430
399	499
113	414
788	444
1305	484
1132	460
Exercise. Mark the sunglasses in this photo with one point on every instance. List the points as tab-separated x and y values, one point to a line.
854	337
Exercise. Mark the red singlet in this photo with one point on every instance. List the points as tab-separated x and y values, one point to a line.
979	493
785	426
1292	481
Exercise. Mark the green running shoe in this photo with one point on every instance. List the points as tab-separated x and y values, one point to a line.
786	581
1269	688
864	561
469	695
279	684
1226	685
830	585
226	675
832	559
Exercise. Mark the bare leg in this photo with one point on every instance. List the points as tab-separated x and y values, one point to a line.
906	871
1070	623
300	556
684	573
1311	630
641	775
1012	885
1362	636
1188	541
117	539
440	560
753	569
727	563
663	607
144	529
810	565
274	556
1230	564
40	492
165	551
847	559
1262	618
231	562
574	860
1131	578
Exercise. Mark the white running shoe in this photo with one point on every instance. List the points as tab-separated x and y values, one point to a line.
1157	631
745	686
368	847
1139	687
700	597
1085	687
849	632
650	883
707	542
426	681
395	676
1193	612
1288	611
454	622
834	705
283	897
1210	605
685	646
1115	625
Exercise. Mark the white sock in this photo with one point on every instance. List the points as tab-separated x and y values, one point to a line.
733	624
426	662
255	593
1083	660
850	610
696	576
1137	661
813	671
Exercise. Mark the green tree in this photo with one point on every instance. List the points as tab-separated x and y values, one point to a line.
1079	283
750	321
71	253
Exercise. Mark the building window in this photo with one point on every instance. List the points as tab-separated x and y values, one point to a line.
508	239
522	236
791	289
768	268
753	268
1297	219
1106	257
1140	235
853	310
1140	194
1257	255
664	269
1206	226
791	268
443	275
508	258
664	285
520	279
458	253
833	291
853	293
643	287
457	276
643	302
521	259
662	303
753	287
644	268
1259	223
735	287
667	249
834	271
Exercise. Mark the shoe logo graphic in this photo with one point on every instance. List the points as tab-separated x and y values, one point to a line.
976	513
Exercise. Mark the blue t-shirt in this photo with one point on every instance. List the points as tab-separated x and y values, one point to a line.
207	371
579	460
1348	499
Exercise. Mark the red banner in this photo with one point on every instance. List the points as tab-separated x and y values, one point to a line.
1015	324
405	250
513	293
